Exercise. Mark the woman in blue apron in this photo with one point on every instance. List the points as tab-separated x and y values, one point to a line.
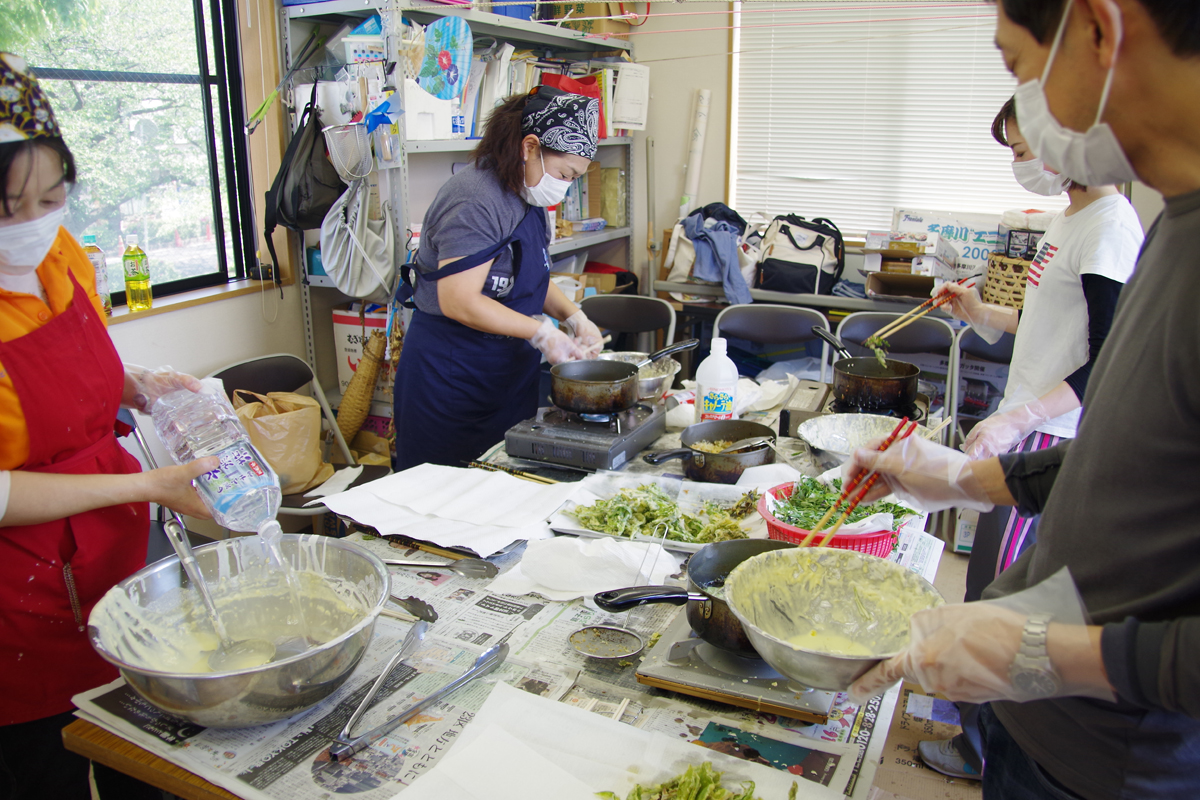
483	297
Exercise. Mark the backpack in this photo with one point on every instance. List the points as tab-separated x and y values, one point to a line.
800	256
306	186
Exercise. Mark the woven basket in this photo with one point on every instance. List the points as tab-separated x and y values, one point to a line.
356	402
1005	285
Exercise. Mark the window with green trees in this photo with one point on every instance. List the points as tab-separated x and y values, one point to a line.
149	99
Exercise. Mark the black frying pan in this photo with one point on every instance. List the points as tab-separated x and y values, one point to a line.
865	383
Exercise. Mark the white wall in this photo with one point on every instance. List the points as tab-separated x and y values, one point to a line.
680	64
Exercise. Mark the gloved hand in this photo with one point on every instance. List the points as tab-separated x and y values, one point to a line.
927	475
989	321
967	651
1001	431
143	386
172	486
587	335
554	344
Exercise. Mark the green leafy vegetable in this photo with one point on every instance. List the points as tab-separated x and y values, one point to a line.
880	346
810	499
697	783
647	510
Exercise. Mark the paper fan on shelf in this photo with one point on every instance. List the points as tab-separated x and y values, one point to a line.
447	58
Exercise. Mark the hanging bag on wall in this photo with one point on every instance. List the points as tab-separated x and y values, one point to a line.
306	186
800	256
358	252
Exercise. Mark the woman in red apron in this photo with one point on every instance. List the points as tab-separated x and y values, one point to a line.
74	512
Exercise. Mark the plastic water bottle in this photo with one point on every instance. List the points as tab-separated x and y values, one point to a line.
458	121
243	492
716	385
100	265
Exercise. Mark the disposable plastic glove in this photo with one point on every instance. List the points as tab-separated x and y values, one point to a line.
554	344
1000	432
144	386
927	475
966	651
989	321
587	335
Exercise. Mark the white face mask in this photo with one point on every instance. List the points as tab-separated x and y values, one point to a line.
549	191
1094	158
1034	176
24	245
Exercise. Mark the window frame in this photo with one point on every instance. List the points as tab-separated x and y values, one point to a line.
222	72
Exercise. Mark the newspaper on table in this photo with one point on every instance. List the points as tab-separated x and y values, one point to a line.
289	760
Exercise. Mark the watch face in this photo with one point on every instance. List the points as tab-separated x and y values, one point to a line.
1035	683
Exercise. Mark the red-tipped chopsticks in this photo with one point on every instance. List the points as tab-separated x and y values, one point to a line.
936	301
862	478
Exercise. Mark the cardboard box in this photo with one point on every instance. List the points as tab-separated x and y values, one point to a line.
590	224
589	283
906	288
915	265
974	236
348	341
901	770
906	244
604	27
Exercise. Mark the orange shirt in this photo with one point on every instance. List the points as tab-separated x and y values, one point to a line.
24	313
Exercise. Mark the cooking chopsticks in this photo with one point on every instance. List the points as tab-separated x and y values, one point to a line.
909	317
529	476
854	484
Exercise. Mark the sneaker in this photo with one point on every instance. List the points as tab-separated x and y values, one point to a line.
943	756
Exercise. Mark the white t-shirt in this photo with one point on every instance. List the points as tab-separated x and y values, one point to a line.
1052	337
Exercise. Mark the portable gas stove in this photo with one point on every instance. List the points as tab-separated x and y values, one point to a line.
586	441
811	399
684	663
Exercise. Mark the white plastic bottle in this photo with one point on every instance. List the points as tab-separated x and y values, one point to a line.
716	385
243	493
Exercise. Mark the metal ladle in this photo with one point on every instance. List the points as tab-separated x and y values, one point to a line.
466	567
230	655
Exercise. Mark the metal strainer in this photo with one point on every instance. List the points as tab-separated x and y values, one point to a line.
349	150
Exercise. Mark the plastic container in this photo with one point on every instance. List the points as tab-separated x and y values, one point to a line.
874	543
100	265
244	491
136	267
716	385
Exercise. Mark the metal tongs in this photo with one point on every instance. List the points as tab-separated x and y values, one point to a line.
346	747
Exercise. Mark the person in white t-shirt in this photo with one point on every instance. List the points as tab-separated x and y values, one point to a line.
1085	258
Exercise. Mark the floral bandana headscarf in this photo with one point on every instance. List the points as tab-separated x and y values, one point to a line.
25	111
564	122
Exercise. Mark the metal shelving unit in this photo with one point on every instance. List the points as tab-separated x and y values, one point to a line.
561	42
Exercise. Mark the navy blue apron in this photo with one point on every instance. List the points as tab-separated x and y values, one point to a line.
458	389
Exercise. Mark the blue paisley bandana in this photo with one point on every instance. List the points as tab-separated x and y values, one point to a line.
562	121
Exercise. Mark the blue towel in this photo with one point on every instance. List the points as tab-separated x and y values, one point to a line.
717	256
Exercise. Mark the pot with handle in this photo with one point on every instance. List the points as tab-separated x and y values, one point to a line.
602	387
699	465
863	382
707	612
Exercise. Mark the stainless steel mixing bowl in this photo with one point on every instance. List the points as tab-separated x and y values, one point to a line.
273	691
653	379
803	585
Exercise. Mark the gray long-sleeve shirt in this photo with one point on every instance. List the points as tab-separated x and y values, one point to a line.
1124	515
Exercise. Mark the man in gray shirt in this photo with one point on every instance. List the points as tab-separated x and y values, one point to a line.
1124	511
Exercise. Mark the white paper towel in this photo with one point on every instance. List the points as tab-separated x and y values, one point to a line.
595	751
337	483
565	568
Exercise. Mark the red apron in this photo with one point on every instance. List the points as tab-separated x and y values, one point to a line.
69	379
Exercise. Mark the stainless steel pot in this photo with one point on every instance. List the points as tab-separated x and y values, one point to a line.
707	611
653	379
602	387
778	596
273	691
699	465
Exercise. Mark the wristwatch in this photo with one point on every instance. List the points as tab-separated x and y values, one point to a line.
1031	672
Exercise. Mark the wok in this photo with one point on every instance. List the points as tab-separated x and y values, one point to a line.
602	387
707	611
863	382
718	467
